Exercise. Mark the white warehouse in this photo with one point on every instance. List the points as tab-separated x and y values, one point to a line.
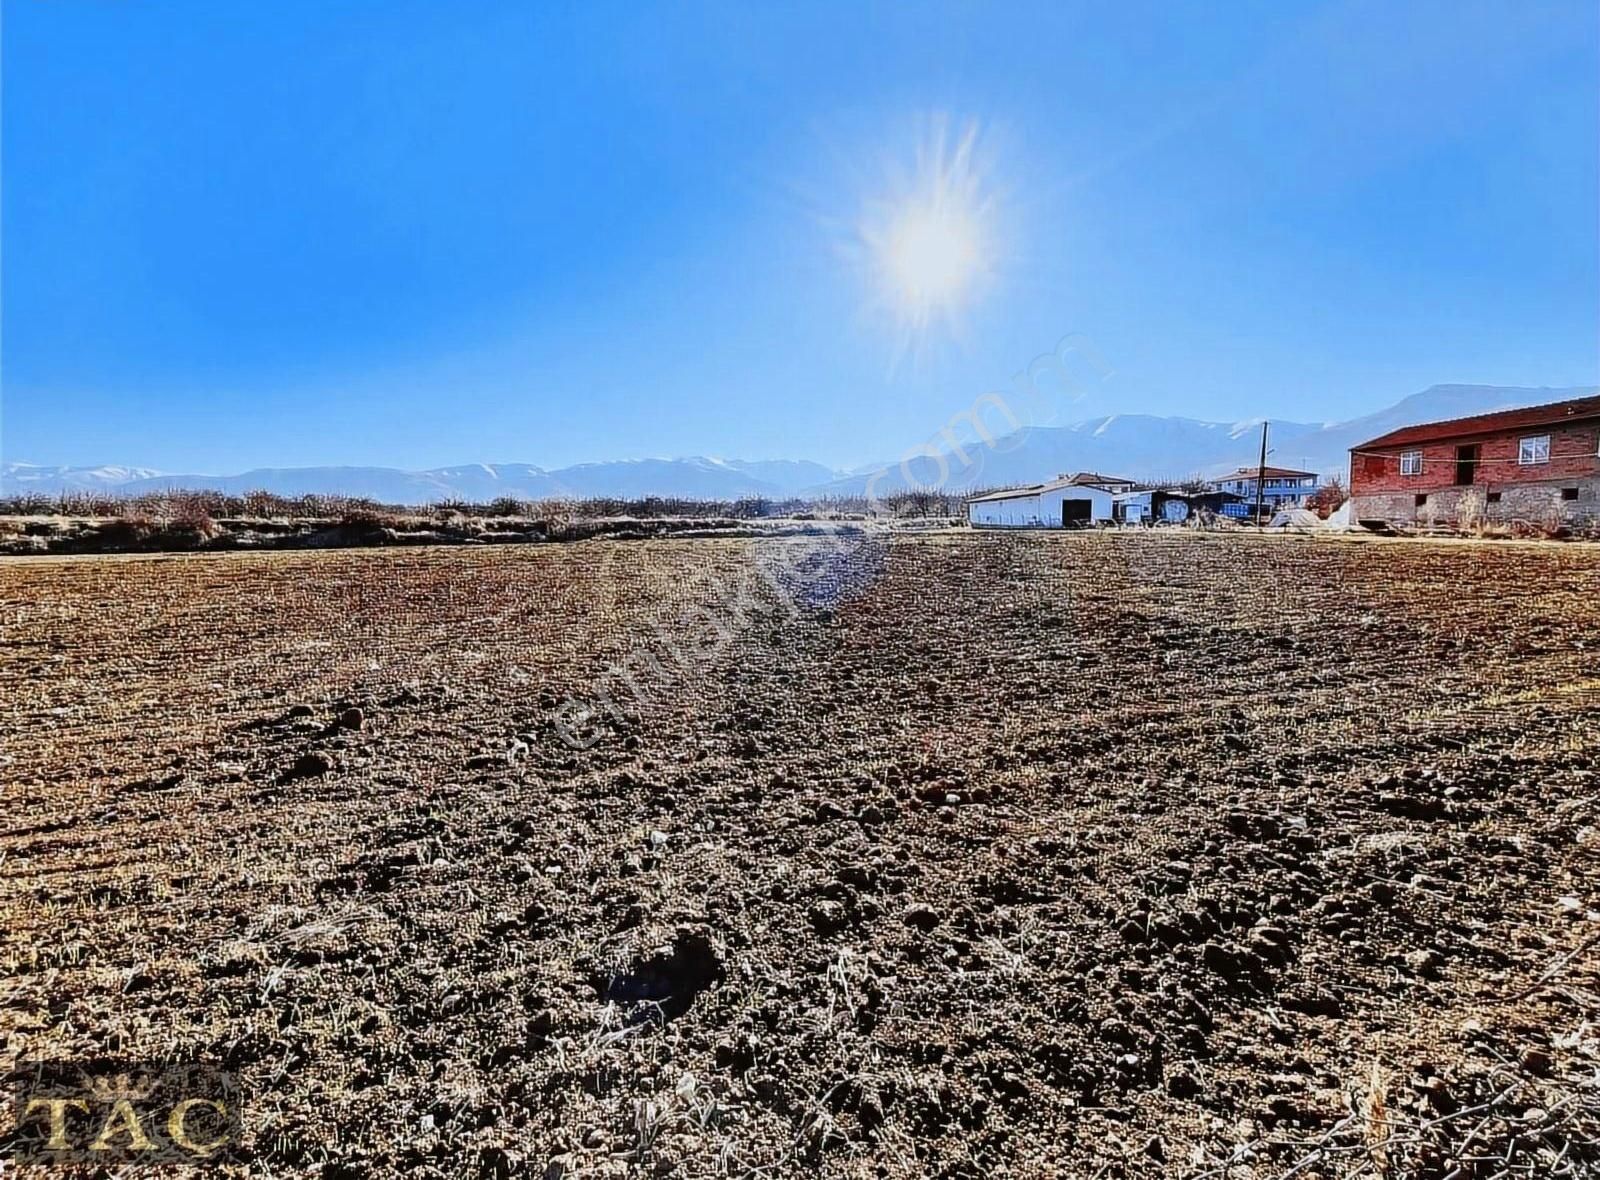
1060	504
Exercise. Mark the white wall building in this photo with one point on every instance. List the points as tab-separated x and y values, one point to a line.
1151	507
1134	507
1059	504
1284	488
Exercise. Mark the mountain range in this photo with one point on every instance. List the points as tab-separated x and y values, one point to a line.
697	478
1137	446
1143	446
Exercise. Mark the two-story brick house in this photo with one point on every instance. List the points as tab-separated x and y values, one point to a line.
1540	464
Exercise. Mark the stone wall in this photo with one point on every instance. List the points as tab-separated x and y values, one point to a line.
1541	503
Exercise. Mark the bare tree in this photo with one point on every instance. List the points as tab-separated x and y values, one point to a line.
1329	498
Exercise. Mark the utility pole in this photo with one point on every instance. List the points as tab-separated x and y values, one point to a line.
1261	477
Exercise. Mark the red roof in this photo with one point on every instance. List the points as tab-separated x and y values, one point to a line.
1554	414
1271	473
1091	478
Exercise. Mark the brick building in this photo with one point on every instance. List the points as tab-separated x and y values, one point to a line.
1540	465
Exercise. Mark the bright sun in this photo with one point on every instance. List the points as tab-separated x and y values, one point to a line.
931	255
929	239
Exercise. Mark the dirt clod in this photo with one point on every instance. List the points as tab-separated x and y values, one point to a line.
312	764
665	983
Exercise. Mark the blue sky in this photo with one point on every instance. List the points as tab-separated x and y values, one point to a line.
415	234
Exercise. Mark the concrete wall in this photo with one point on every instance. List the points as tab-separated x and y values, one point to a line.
1013	512
1050	504
1041	510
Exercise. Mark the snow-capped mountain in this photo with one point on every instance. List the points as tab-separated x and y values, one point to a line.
1138	446
25	477
693	478
1141	446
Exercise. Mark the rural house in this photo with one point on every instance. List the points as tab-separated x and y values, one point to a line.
1093	479
1540	464
1282	487
1058	504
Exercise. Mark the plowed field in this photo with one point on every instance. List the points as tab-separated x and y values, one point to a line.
955	855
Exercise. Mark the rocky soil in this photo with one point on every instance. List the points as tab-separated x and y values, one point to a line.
957	855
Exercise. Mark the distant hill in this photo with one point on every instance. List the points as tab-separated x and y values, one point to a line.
1139	446
23	477
695	478
1434	404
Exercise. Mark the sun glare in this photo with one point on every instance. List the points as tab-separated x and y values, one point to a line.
931	254
929	239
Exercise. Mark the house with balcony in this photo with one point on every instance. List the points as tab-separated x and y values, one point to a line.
1281	487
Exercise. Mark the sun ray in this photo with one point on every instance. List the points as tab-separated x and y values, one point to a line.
928	239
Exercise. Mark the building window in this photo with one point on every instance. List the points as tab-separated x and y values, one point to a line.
1569	493
1410	462
1493	497
1534	449
1422	499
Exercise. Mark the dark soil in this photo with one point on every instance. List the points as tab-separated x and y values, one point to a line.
960	855
26	537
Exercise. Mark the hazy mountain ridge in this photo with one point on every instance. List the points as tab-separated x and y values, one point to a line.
694	478
1143	446
1140	446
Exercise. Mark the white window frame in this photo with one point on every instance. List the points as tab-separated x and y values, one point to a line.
1533	449
1410	462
